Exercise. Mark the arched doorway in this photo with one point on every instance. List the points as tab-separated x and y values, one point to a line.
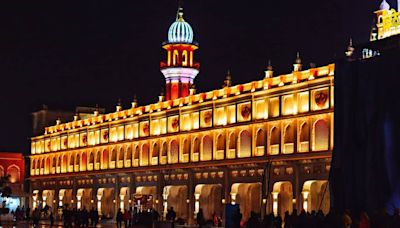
244	144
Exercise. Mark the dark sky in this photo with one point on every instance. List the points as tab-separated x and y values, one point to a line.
69	53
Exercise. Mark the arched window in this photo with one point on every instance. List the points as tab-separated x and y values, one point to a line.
91	160
260	142
289	139
144	158
274	141
59	164
104	162
154	154
184	58
220	147
174	152
121	154
164	153
71	163
206	153
245	144
54	164
77	161
113	156
128	157
196	150
231	153
84	160
185	151
304	137
14	172
136	156
175	58
321	135
97	158
47	166
64	167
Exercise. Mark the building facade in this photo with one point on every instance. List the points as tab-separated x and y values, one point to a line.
265	145
13	166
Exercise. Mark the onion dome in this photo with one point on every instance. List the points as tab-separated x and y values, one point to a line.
384	5
180	31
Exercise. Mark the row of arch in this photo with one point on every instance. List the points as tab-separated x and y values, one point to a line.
237	143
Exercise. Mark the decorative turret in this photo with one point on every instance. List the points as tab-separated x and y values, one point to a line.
119	105
134	102
179	69
228	79
350	49
297	63
269	71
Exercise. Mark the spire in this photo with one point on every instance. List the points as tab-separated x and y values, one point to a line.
297	63
96	111
192	90
269	71
161	97
134	102
228	79
384	5
119	106
350	49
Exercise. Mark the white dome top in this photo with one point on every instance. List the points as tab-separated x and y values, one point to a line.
384	5
180	31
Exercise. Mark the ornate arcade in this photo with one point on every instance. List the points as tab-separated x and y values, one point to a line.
265	145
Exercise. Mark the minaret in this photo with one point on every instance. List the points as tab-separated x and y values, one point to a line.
179	69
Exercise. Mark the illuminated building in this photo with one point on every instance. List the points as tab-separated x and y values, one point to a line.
13	166
265	145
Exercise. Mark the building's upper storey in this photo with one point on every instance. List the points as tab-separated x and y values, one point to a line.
297	93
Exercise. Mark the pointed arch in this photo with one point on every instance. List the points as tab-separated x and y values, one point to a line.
274	141
244	144
154	153
47	165
113	158
14	173
53	164
104	160
320	135
64	166
304	140
231	152
97	159
84	161
144	155
207	147
220	146
288	146
91	163
164	153
59	164
136	154
260	142
128	156
185	151
195	150
121	156
173	152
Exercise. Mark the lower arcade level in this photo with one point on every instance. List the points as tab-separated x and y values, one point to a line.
263	186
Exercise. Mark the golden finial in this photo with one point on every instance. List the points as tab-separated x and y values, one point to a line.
350	49
269	71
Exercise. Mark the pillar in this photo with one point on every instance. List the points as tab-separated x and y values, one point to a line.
191	198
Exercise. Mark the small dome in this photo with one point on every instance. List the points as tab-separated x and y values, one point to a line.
180	31
384	5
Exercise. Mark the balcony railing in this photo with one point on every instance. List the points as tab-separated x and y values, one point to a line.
231	153
274	149
128	163
219	154
259	150
164	64
195	157
288	148
304	146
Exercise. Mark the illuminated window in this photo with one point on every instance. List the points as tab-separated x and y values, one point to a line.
274	141
174	152
245	144
321	135
206	153
220	147
144	158
164	152
260	142
121	154
231	153
154	154
184	58
196	150
273	107
128	157
185	151
304	137
289	140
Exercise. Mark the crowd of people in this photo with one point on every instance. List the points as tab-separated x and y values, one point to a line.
128	218
318	220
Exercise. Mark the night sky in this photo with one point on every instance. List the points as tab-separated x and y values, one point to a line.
82	53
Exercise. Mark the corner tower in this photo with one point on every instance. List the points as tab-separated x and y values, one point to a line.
179	69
